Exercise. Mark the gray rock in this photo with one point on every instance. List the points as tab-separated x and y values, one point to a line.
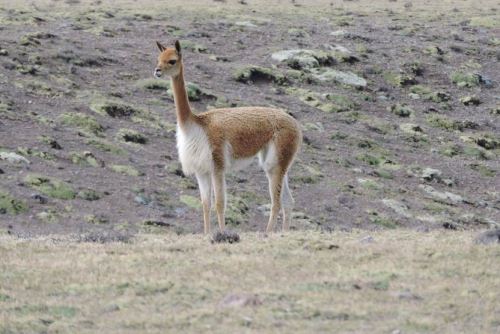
301	58
445	196
246	24
488	237
347	78
398	207
13	158
338	33
430	174
142	200
39	198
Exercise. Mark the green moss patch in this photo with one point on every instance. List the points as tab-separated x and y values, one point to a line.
10	204
89	195
50	186
126	170
484	170
464	79
86	158
402	110
153	84
105	146
191	201
427	94
237	210
399	80
381	220
82	121
446	123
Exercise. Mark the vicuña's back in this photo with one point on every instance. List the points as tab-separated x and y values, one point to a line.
249	129
213	142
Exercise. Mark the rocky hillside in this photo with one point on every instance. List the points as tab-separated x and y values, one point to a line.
399	107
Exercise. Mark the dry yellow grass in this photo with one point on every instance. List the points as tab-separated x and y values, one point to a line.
302	282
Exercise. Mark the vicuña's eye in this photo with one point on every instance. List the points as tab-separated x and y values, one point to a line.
172	62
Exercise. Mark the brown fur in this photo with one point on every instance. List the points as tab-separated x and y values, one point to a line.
247	131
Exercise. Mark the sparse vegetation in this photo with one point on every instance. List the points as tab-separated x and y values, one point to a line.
82	121
257	74
10	204
256	287
50	186
127	170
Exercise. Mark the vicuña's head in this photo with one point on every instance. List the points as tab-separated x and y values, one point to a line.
169	60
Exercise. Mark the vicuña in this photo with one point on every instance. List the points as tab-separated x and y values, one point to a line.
214	142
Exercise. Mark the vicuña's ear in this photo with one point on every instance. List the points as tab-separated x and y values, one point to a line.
161	47
178	47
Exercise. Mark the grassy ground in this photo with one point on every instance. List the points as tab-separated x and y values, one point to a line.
306	282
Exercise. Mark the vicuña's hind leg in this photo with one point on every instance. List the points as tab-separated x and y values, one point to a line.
275	177
287	203
219	184
205	185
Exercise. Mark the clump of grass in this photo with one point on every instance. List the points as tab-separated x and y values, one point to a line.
131	136
50	186
401	110
236	211
96	219
86	158
462	79
33	39
446	123
191	201
105	146
370	159
309	175
483	170
82	121
49	216
340	103
89	195
257	74
451	151
381	220
399	80
114	109
153	84
10	204
193	46
126	170
426	93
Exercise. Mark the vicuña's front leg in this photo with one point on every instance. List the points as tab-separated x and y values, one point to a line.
219	184
205	185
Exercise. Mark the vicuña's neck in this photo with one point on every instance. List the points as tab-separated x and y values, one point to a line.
182	107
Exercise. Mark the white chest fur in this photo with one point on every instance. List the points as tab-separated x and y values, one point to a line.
194	150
